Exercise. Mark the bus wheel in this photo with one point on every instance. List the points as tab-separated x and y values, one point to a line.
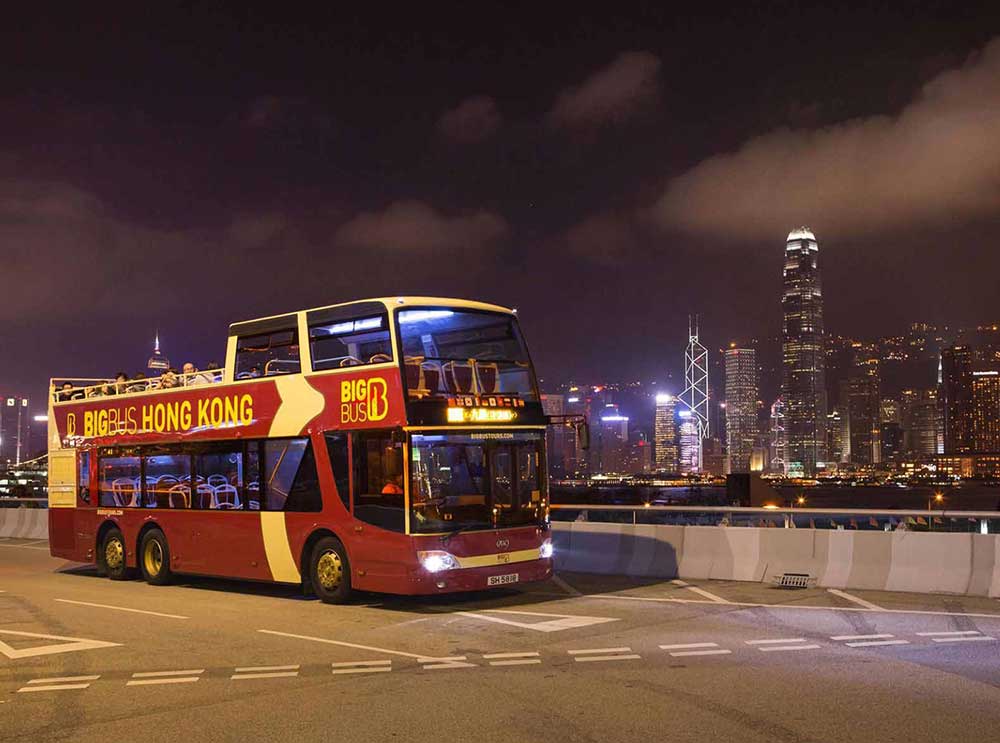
330	572
154	558
112	557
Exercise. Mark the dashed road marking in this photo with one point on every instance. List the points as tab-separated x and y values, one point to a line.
361	666
264	672
595	655
781	645
876	643
971	638
851	638
455	661
774	642
61	683
691	649
701	592
949	633
122	608
854	599
151	678
513	659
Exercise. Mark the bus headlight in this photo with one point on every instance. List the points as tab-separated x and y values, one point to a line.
545	551
436	561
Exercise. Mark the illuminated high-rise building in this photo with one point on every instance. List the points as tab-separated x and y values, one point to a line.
695	394
864	411
920	417
690	443
986	408
741	406
803	385
157	362
665	433
955	398
778	439
15	430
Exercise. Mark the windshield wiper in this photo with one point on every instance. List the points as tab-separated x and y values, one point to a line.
469	527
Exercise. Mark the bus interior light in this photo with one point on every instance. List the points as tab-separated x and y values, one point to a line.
408	316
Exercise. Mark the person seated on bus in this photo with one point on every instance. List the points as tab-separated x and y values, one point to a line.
191	379
69	392
212	372
138	383
393	486
121	382
169	380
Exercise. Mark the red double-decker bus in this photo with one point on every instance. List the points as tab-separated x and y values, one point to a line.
393	445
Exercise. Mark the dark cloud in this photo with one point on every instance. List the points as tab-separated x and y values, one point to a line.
473	120
418	227
937	160
612	94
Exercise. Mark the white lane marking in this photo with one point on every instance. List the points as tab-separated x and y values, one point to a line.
157	674
172	680
421	658
854	599
254	669
68	645
841	638
63	679
752	605
354	663
774	642
500	656
690	646
343	671
876	643
565	586
270	675
121	608
556	623
25	547
66	687
978	638
701	592
599	650
453	662
781	648
522	662
597	658
686	653
949	634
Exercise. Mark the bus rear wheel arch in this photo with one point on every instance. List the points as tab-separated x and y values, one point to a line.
330	570
154	557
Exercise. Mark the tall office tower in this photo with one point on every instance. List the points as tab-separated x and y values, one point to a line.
577	403
612	443
803	381
15	430
559	438
741	406
157	362
986	408
956	398
695	395
837	432
665	433
920	418
864	412
779	439
690	443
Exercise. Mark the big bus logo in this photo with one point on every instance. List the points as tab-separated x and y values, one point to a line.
363	400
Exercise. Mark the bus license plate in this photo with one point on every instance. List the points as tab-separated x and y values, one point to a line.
502	580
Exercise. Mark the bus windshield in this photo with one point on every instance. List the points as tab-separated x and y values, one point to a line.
475	481
464	352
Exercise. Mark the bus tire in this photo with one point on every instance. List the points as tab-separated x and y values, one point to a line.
154	558
112	557
330	571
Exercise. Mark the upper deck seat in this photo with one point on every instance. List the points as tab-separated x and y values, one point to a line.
432	376
487	377
206	495
179	496
458	376
216	480
124	492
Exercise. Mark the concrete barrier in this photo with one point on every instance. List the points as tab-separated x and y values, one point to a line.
24	523
957	563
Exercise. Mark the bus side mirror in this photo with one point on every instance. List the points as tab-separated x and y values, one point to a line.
583	435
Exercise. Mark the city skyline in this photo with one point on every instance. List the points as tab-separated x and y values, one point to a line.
596	187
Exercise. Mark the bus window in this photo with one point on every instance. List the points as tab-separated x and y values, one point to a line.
168	479
268	354
119	479
290	476
378	480
253	476
83	476
336	446
343	343
219	471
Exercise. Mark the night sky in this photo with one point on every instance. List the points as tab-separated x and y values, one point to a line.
605	174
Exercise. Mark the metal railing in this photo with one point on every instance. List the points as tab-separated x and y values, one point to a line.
82	388
862	519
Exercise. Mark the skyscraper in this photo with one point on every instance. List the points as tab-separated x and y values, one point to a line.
690	443
864	412
779	439
921	420
14	430
741	406
665	433
695	394
803	382
986	408
956	398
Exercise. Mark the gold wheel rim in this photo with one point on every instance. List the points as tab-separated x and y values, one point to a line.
330	570
114	554
153	557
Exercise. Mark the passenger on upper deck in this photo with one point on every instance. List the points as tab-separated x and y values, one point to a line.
138	383
69	393
168	380
191	379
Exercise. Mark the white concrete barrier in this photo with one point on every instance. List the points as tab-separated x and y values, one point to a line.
959	563
24	523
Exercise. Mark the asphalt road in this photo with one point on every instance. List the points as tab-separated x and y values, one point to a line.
582	658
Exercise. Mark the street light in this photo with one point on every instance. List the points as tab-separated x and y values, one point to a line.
937	499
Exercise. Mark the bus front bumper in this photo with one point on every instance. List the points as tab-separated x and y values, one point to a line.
480	579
